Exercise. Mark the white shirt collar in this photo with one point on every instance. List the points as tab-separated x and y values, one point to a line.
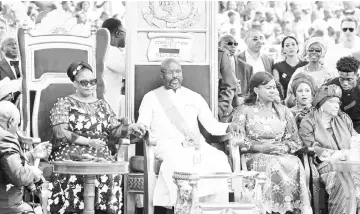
8	59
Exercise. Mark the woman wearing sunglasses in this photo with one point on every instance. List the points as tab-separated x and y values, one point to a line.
315	50
83	125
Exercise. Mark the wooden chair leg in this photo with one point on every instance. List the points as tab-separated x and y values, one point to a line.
129	198
45	194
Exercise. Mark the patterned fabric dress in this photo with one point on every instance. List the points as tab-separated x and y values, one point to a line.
286	187
93	120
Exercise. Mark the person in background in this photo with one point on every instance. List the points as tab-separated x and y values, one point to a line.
252	55
304	89
114	71
284	70
228	85
348	68
242	70
10	68
17	168
315	51
349	44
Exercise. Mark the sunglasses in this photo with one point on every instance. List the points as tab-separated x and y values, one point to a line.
232	43
314	51
348	28
85	83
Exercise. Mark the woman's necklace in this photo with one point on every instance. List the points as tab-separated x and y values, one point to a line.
84	99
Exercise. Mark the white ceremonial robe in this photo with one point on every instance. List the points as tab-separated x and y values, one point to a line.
114	72
175	157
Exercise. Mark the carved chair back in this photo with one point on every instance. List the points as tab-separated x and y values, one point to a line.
44	61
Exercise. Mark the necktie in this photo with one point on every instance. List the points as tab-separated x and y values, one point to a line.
232	61
16	67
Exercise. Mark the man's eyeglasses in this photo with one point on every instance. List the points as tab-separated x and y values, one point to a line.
232	43
314	51
172	72
348	28
85	83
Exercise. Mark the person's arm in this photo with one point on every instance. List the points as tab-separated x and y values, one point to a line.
207	119
59	117
276	75
10	162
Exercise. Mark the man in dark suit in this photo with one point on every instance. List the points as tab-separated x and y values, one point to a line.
254	40
227	85
14	173
242	70
10	67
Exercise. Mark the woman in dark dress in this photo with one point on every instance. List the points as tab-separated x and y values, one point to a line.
82	125
284	70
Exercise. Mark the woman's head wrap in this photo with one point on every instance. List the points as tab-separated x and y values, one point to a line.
326	92
313	40
303	78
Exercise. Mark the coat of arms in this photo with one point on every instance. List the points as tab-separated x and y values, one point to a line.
171	14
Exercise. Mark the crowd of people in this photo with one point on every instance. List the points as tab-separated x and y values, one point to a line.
91	14
288	79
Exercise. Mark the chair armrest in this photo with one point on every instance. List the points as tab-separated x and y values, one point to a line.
305	150
27	140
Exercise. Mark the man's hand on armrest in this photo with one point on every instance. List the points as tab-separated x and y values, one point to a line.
137	129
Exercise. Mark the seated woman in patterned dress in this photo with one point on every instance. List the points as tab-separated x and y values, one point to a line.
330	132
304	88
82	124
270	135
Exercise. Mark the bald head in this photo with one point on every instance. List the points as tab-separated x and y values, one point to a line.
8	110
9	116
167	62
10	48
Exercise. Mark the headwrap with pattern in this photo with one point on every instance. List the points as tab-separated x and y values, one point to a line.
303	78
326	92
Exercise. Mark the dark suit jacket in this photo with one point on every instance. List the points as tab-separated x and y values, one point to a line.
5	71
13	174
267	61
227	84
243	72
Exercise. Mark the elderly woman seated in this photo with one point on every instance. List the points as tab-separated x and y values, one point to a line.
269	133
329	131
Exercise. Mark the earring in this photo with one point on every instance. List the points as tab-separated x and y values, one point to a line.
257	97
321	109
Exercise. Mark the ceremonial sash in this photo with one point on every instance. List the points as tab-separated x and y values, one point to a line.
176	118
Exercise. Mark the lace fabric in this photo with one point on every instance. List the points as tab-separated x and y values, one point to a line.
286	189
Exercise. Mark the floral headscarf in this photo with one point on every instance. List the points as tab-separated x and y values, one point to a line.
326	92
303	78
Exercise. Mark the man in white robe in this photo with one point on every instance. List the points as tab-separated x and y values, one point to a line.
172	145
114	71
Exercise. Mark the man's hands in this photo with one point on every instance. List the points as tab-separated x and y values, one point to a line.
42	150
137	129
38	174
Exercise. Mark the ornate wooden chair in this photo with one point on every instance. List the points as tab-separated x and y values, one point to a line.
144	169
45	53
